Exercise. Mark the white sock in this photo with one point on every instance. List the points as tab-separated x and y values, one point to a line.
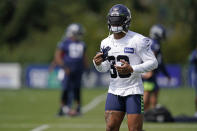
66	109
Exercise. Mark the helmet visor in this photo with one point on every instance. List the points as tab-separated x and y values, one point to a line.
116	20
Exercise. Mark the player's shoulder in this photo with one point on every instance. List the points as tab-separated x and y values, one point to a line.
136	37
66	41
139	39
62	43
155	45
134	34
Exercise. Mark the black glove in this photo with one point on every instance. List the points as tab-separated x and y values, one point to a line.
105	51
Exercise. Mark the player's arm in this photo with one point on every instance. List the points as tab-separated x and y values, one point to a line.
52	65
58	57
100	65
162	67
164	70
85	61
149	60
59	60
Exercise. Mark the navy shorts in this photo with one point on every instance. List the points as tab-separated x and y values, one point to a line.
132	104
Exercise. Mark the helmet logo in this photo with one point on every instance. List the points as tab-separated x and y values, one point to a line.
115	13
115	9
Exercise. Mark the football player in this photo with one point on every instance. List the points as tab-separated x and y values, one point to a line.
126	54
151	88
193	65
73	61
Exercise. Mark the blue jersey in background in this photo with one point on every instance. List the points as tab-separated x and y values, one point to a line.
73	54
193	69
193	60
156	48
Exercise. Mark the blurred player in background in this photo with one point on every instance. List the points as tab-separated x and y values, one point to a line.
151	88
70	56
193	66
126	55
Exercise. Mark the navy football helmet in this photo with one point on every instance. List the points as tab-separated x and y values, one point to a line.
157	32
74	30
119	18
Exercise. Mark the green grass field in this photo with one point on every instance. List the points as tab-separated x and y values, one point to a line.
35	109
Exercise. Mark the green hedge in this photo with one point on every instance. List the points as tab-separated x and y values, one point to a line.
32	28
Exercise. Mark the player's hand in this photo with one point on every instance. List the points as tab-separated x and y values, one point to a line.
125	68
98	59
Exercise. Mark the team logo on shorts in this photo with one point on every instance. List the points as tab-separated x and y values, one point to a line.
128	50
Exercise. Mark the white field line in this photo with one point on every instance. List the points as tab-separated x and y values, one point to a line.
85	109
41	128
159	126
96	125
124	126
93	103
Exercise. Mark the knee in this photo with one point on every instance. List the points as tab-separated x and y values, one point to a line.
110	127
146	101
135	128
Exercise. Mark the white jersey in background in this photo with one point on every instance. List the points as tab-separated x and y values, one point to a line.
135	49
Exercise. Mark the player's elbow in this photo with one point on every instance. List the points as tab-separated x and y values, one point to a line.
155	64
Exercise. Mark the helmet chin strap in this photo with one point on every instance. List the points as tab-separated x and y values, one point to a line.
117	29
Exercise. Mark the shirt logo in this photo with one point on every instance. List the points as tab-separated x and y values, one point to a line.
128	50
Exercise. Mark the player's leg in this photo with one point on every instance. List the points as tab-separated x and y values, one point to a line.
195	114
114	112
146	100
154	98
69	92
113	120
135	110
66	100
148	88
135	122
62	97
154	95
77	91
194	85
63	104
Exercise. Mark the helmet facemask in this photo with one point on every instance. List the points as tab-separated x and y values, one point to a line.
116	23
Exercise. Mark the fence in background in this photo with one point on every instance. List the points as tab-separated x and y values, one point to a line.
39	76
10	75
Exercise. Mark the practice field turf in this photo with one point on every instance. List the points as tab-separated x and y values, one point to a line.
35	109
